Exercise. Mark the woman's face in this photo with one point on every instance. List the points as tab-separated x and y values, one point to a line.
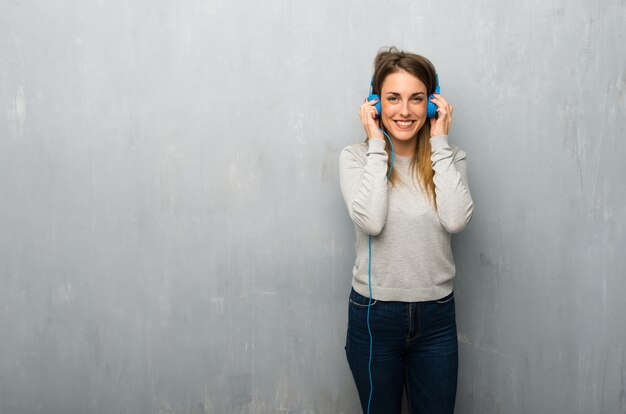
403	101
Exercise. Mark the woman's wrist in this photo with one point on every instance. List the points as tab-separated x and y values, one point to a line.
375	133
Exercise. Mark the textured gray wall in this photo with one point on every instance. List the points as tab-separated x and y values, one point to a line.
173	238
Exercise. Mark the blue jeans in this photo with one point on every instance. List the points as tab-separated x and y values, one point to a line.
415	349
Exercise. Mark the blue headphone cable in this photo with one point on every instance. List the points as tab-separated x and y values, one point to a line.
369	283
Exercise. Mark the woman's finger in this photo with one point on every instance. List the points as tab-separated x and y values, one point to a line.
443	105
371	103
440	98
441	101
367	108
366	113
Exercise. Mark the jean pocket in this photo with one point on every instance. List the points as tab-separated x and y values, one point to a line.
446	299
362	305
360	301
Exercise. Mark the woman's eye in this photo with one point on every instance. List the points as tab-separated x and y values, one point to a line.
392	99
417	99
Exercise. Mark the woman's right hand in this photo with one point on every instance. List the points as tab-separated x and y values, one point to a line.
371	125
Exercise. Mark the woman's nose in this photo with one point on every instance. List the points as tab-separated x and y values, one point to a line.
405	109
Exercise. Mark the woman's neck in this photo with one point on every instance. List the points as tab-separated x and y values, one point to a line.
404	148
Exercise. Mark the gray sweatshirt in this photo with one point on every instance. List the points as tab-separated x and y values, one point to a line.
411	253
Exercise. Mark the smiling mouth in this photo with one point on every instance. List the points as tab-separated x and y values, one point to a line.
404	124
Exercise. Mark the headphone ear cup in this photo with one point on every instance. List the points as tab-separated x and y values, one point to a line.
377	104
431	110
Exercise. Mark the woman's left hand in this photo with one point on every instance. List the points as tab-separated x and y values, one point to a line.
441	125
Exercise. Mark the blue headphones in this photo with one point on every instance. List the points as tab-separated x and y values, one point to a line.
431	110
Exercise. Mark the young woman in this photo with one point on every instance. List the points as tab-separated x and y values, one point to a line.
403	213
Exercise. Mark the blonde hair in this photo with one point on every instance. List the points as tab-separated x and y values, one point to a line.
391	60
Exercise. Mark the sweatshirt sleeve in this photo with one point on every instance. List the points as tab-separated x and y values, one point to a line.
363	182
454	201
